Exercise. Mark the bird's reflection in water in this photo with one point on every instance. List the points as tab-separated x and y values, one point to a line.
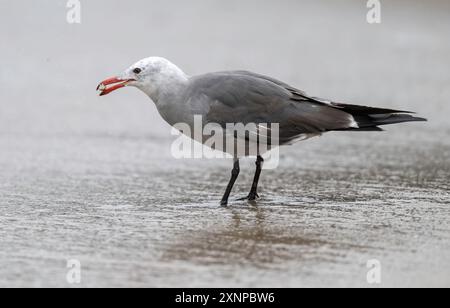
248	237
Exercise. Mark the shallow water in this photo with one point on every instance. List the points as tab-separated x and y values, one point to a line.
133	221
93	179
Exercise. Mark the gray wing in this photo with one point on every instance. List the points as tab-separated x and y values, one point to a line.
244	97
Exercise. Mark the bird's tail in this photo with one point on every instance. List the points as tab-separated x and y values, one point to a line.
369	118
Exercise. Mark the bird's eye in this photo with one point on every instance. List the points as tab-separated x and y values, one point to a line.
137	71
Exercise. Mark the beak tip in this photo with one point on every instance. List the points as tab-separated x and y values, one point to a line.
111	85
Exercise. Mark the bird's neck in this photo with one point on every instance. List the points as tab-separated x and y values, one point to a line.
169	92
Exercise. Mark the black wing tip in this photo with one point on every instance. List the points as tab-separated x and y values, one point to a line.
361	109
362	129
404	111
411	118
418	119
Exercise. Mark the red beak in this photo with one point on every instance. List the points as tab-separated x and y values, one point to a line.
112	84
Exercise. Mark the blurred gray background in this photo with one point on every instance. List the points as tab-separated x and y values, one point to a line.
92	178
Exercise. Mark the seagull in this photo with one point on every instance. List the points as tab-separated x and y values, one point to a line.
246	97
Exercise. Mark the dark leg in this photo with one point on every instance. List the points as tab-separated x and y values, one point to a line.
234	176
254	191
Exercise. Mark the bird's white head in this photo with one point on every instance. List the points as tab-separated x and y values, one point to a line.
154	76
